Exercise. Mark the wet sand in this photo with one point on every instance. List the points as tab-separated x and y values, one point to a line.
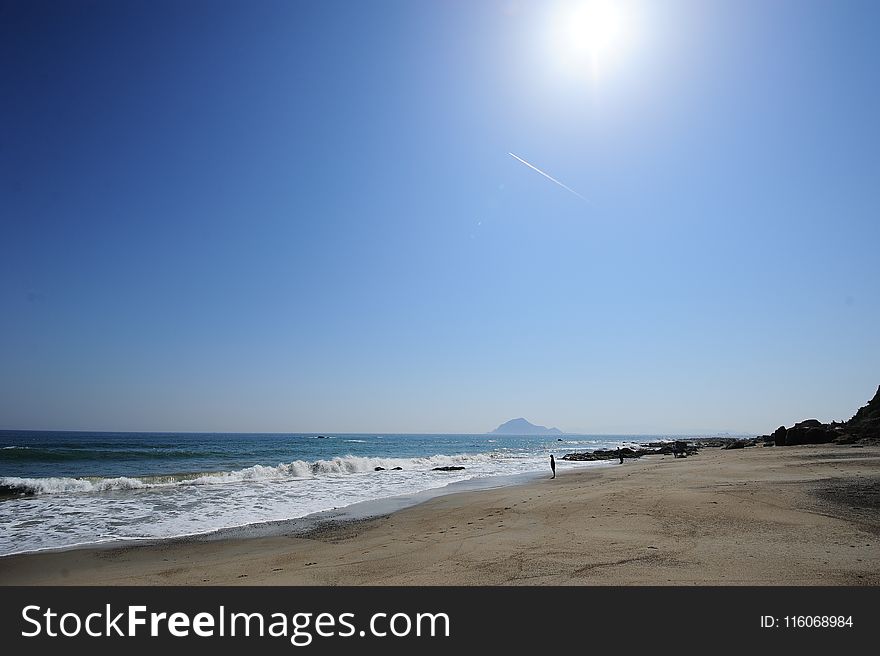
781	516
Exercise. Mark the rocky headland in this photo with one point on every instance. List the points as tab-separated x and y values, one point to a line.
862	428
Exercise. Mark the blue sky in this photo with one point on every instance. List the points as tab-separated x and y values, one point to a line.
302	216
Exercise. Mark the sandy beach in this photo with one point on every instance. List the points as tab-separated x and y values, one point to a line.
779	516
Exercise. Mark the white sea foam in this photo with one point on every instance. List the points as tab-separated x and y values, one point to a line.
67	485
294	470
62	512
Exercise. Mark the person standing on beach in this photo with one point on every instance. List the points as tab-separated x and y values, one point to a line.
553	466
620	455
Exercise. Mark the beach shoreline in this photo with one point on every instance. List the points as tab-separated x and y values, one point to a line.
61	490
783	515
306	524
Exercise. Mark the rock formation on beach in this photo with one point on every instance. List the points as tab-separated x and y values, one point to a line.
608	454
865	424
677	448
681	448
522	427
863	427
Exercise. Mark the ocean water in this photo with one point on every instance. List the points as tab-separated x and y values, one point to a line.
64	489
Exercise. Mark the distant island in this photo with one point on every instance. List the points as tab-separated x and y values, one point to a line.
522	427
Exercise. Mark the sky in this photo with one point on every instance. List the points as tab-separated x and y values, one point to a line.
305	216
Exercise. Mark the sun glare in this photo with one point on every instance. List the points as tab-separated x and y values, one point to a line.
590	33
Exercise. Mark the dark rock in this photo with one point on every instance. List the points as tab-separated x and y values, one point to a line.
683	449
813	435
678	448
379	469
863	427
821	435
608	454
779	436
16	491
396	468
586	457
447	468
715	442
865	424
745	444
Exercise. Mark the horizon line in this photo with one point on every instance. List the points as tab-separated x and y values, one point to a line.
689	433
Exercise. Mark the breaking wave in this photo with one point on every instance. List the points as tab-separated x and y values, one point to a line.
298	469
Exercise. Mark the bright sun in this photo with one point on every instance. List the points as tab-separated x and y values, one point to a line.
589	33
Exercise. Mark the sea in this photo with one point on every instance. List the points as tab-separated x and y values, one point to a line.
67	489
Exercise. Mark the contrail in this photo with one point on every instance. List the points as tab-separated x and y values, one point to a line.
549	177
